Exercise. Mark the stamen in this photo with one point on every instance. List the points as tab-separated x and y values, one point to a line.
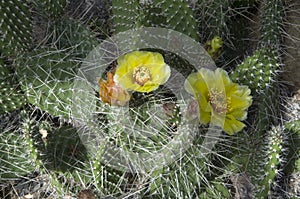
219	102
141	75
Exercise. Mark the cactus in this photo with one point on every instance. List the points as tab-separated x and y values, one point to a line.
171	14
292	129
45	139
16	27
11	95
291	165
257	71
48	84
125	15
67	34
215	16
178	16
46	77
5	72
15	146
52	9
271	24
11	98
263	179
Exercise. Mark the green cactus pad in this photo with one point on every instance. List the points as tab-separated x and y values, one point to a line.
171	14
52	8
11	97
67	34
16	27
178	16
46	77
5	72
126	15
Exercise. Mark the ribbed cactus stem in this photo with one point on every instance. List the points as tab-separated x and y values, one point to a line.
265	182
257	71
272	23
214	17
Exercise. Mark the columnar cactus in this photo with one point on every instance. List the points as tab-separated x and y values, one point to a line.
15	145
257	71
272	22
263	177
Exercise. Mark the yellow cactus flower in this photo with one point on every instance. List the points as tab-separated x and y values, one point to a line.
141	71
220	101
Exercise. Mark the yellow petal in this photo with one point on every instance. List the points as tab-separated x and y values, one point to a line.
204	117
160	73
154	62
152	58
126	81
232	125
147	87
196	85
239	114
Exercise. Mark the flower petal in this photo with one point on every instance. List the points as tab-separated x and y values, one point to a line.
154	62
221	102
204	117
232	125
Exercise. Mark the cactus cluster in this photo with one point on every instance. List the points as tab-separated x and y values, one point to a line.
75	145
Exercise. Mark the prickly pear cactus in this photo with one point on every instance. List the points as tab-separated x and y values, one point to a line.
47	80
52	8
176	15
11	95
67	34
126	15
15	26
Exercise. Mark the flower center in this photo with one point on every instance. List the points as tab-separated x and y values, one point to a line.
141	75
219	102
